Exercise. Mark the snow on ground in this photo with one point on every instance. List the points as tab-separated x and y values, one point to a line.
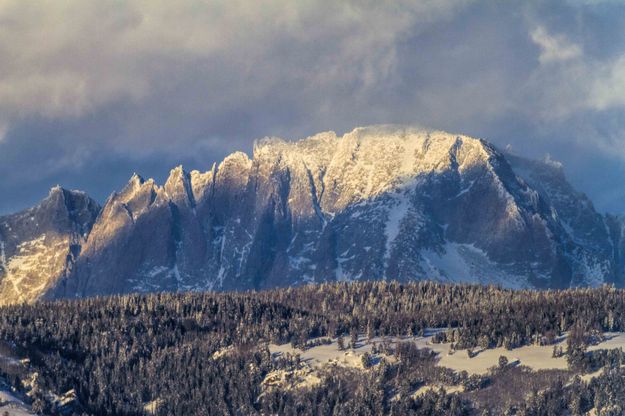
9	401
14	406
590	376
316	358
321	355
151	408
313	359
533	356
428	387
613	340
303	377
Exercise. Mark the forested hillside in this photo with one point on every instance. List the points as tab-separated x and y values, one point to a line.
211	353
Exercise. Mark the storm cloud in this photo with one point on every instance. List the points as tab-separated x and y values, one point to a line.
92	91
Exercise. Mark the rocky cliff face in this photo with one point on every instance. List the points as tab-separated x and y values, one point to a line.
381	202
39	246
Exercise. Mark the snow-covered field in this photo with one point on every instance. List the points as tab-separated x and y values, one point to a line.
533	356
313	359
326	354
613	340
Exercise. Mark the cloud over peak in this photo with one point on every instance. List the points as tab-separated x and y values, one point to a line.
146	84
73	57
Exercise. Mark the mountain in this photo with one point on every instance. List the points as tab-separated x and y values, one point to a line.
380	202
39	246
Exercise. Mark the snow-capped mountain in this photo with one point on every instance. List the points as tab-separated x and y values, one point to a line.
382	202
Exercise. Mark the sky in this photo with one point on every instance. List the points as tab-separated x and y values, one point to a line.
92	91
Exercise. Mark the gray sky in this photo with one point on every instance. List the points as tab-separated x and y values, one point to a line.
92	91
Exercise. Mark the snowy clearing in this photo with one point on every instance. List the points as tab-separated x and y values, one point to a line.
613	340
315	358
321	355
533	356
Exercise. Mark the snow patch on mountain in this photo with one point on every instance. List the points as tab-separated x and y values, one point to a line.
465	263
3	257
34	266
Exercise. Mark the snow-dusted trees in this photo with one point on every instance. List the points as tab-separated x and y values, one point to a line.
205	353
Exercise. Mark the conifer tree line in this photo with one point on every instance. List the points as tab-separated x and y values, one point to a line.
121	353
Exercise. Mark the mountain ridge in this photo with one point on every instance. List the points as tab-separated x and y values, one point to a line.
380	202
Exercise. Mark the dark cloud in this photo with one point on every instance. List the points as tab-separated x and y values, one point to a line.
91	92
